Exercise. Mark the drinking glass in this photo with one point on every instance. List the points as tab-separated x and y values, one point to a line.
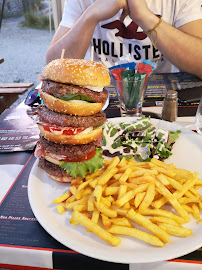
198	118
130	95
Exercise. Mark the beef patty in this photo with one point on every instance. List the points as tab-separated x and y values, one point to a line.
60	89
71	151
51	168
67	120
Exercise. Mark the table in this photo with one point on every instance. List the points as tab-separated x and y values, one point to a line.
9	93
24	244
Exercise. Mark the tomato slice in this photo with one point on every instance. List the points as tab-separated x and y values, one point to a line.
65	131
90	155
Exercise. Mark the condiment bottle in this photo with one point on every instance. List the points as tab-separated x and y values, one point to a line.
170	106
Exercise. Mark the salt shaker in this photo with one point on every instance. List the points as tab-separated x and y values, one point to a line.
170	106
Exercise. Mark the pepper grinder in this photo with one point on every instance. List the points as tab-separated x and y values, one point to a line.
170	106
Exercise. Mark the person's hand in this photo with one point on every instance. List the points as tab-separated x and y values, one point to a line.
105	9
138	10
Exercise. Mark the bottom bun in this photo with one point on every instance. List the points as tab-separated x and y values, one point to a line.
64	179
74	108
80	138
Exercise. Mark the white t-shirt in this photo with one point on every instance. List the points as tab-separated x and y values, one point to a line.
113	39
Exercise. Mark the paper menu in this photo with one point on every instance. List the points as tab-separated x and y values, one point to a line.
18	131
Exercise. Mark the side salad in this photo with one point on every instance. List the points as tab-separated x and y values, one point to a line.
139	139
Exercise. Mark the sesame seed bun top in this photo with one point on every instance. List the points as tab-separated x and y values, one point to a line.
78	72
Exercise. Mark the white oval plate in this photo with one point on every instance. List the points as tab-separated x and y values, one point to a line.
187	154
106	103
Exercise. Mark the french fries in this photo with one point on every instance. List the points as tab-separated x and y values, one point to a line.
62	198
153	240
146	223
124	193
89	224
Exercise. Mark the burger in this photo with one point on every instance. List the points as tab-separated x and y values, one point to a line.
75	86
71	118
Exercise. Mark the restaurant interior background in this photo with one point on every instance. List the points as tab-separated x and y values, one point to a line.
26	30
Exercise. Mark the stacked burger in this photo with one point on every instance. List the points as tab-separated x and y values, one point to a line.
71	118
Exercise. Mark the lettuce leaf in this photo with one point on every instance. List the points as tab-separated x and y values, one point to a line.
81	168
173	136
163	150
76	97
127	157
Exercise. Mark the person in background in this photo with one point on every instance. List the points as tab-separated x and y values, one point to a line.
166	32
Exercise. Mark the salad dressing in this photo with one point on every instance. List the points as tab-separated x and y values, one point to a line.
110	140
139	150
165	133
139	139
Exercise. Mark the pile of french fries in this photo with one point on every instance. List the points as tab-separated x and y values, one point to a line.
113	200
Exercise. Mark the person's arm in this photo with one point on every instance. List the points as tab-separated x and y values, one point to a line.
182	46
76	40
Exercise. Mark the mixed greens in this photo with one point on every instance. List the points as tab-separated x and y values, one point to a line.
139	139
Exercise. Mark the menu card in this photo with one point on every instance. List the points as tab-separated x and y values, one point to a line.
19	226
18	131
159	83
